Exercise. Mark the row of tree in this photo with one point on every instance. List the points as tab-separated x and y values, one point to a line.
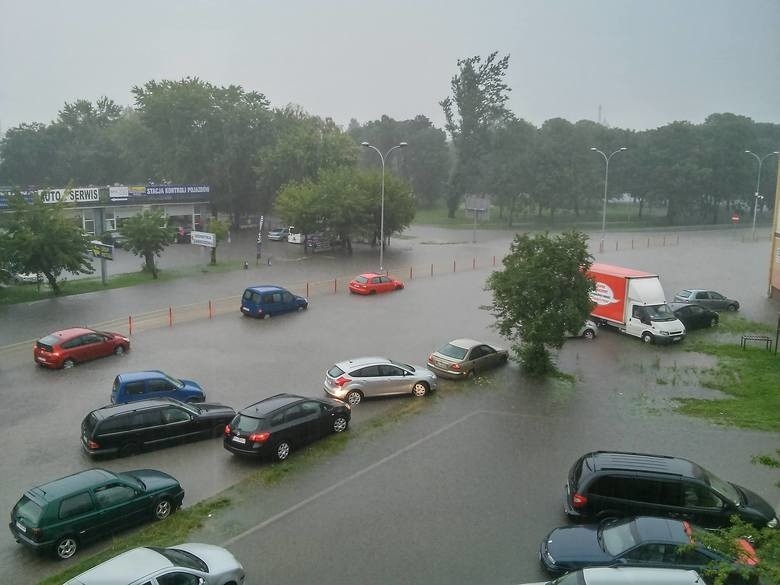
192	131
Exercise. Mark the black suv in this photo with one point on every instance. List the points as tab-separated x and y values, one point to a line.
125	429
606	484
276	425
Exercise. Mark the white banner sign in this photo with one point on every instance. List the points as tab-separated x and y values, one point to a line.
118	193
203	239
78	195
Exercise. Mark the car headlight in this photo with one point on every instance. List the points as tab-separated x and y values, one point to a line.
548	557
664	333
772	523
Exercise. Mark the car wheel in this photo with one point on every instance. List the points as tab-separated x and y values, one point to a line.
300	308
119	350
282	452
354	397
399	287
128	449
68	363
66	547
419	390
163	508
713	321
266	315
607	517
373	292
648	337
589	334
732	307
340	424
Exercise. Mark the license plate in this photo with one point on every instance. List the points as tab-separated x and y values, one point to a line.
21	527
245	309
677	338
240	440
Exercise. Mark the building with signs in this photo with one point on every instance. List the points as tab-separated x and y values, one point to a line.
103	209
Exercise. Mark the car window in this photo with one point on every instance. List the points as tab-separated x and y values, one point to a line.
178	578
114	494
310	408
695	310
116	424
716	296
71	343
174	415
158	386
277	297
287	297
335	372
367	372
182	558
700	496
277	419
247	295
385	279
92	338
135	388
647	553
28	510
268	299
702	295
376	280
619	537
361	279
75	505
388	370
294	413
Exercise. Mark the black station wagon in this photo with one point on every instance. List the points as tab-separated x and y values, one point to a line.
275	426
124	429
58	516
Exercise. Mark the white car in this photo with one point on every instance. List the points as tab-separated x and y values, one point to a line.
589	330
625	575
205	564
23	277
278	234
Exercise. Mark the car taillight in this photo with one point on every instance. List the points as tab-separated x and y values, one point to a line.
455	367
578	500
36	534
342	380
430	358
227	429
92	445
259	437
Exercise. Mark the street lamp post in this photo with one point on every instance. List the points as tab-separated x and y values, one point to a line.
382	212
760	160
606	181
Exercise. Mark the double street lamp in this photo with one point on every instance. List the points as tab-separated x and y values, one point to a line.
606	181
760	160
382	212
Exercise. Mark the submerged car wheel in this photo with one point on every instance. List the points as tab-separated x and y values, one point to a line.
340	424
282	451
732	307
119	350
163	509
68	363
128	449
713	322
589	334
66	547
354	397
647	337
419	390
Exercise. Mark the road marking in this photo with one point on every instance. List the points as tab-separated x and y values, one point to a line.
346	480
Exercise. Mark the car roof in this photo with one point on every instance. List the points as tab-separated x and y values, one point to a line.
66	334
265	288
271	404
115	409
623	461
125	568
71	483
676	306
361	361
465	343
370	274
640	576
655	529
142	375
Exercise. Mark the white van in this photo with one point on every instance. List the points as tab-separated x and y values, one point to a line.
625	575
296	236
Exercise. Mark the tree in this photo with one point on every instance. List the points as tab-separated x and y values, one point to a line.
220	231
541	295
509	165
147	236
41	238
477	104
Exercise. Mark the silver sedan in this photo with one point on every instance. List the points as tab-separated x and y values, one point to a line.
461	358
184	563
352	380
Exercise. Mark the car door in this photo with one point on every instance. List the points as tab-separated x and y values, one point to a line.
702	298
75	349
394	380
717	301
78	514
647	554
288	301
94	345
703	506
313	417
176	424
375	284
489	357
386	283
120	506
298	423
179	577
159	388
369	380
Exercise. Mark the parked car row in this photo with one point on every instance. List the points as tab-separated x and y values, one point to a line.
643	512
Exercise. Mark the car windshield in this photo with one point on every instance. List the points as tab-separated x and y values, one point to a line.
402	365
617	537
134	480
178	383
724	488
28	510
182	558
361	279
660	313
453	351
49	340
335	372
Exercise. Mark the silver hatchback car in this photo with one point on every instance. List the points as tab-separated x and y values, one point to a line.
355	379
461	358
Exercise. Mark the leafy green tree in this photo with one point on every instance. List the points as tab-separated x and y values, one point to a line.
509	166
477	104
220	230
40	238
541	295
27	156
147	236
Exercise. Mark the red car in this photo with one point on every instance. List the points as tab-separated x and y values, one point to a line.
370	283
66	348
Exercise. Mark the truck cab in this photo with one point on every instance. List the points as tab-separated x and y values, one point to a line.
654	324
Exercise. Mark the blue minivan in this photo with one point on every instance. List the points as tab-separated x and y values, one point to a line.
133	386
266	300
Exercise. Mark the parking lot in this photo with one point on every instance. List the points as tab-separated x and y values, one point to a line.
461	491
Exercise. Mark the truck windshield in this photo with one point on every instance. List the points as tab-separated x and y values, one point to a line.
660	313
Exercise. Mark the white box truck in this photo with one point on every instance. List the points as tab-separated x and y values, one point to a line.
633	301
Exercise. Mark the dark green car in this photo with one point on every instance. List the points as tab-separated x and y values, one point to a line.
60	515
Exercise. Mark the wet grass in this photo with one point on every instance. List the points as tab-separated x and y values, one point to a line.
750	377
174	530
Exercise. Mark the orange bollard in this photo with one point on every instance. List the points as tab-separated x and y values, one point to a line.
334	286
307	288
170	316
431	269
210	313
494	260
410	273
129	324
474	263
453	265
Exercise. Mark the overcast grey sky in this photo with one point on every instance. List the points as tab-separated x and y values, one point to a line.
647	62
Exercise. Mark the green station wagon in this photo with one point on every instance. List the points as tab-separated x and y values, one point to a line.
58	516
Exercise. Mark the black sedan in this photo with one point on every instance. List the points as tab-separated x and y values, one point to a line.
642	542
694	316
275	426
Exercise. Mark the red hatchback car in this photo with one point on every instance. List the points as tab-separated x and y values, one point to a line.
370	283
66	348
